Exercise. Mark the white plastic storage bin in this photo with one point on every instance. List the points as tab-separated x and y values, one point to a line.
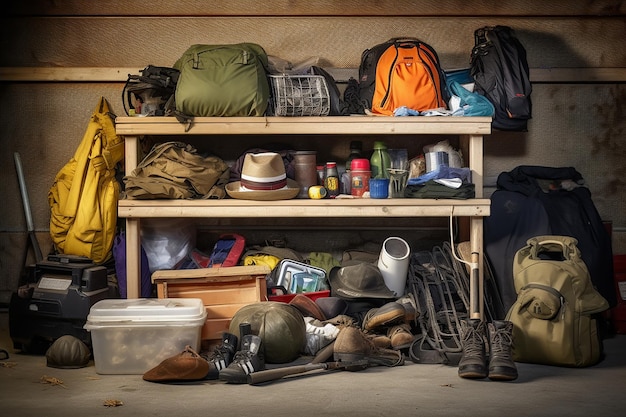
133	336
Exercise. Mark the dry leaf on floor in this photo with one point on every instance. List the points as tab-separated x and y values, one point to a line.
8	364
51	380
112	403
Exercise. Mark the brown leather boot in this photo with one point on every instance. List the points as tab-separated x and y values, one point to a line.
352	345
501	364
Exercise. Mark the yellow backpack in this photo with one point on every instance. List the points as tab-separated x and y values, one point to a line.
83	199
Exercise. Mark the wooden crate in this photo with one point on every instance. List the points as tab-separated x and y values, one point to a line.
223	292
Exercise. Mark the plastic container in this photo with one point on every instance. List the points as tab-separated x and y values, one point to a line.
331	180
359	176
287	270
380	161
379	187
356	150
133	336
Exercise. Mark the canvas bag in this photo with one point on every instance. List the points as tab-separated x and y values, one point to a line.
83	198
176	170
222	80
401	72
552	316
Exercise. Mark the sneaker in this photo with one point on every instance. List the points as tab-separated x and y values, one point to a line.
353	345
248	360
389	313
221	356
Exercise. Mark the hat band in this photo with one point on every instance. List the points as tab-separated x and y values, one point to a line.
263	186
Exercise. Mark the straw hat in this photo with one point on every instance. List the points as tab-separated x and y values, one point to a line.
263	177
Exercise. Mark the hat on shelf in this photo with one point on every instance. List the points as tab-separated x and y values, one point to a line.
263	177
363	280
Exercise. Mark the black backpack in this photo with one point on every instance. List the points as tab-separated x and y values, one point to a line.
535	201
499	68
153	91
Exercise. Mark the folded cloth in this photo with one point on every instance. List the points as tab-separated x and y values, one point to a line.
443	172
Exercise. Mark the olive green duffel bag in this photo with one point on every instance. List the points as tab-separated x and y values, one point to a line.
223	80
553	322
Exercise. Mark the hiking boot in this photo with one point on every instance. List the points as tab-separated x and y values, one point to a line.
378	339
400	336
473	363
352	345
248	360
221	356
389	313
501	364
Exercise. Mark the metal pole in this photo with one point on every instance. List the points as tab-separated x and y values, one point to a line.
25	200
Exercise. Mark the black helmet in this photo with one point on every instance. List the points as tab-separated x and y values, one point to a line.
68	352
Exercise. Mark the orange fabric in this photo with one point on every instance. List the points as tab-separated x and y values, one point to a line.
406	75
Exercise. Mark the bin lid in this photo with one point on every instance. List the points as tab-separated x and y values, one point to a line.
144	310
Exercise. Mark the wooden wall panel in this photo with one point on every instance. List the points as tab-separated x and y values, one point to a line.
337	42
319	8
574	123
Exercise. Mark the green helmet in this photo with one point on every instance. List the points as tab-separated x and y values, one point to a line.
68	352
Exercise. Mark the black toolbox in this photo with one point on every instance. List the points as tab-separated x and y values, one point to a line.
55	301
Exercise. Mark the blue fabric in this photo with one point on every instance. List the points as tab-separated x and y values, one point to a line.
405	111
472	104
462	76
465	174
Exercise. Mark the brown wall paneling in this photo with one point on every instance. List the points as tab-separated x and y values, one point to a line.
337	42
319	8
574	124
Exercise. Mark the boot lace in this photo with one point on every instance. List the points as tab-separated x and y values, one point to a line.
501	342
473	343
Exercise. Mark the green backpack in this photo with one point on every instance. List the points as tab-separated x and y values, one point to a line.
553	322
223	80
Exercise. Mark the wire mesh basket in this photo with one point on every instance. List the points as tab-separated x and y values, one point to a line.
299	95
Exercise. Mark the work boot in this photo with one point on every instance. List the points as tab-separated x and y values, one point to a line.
222	355
400	336
352	345
248	360
411	313
473	363
501	364
389	313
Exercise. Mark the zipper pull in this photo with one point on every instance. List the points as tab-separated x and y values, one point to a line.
245	57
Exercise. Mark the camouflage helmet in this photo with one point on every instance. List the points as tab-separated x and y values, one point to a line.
68	352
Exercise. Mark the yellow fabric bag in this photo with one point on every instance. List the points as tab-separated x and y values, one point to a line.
83	199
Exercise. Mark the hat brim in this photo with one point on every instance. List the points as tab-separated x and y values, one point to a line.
235	190
339	289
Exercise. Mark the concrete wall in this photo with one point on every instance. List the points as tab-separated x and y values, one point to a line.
575	50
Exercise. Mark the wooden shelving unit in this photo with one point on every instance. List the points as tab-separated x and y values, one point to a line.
470	130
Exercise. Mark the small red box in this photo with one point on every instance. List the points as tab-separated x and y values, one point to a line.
286	298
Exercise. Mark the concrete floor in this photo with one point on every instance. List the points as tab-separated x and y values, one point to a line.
408	390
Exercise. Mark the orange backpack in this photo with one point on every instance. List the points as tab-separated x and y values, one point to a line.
401	72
